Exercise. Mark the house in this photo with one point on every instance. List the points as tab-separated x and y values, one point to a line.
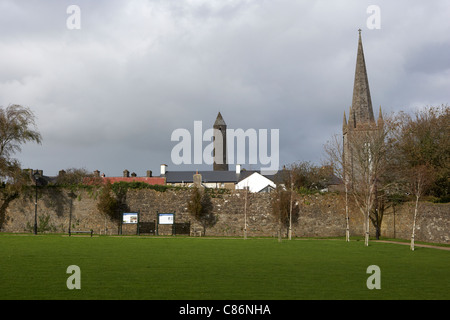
209	179
217	179
256	182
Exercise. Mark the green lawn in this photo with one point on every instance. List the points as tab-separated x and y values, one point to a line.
34	267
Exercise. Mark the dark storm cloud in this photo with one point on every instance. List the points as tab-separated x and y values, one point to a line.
108	96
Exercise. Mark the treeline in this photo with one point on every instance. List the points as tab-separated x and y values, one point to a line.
421	149
403	157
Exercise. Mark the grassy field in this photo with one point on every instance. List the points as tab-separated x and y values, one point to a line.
34	267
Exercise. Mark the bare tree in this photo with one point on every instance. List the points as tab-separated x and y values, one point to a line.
247	203
334	150
420	180
284	209
367	161
295	177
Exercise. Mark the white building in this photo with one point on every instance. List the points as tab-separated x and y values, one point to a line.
256	183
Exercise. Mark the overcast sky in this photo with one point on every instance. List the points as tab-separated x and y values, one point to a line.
109	95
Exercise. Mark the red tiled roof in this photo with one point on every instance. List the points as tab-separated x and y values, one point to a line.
149	180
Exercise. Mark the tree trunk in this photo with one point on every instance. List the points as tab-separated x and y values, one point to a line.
347	229
377	215
393	208
290	216
279	230
245	215
366	236
414	223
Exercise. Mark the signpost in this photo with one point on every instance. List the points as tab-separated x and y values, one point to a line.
166	219
130	218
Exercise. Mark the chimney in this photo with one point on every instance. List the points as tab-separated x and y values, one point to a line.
149	173
126	173
32	172
163	169
96	173
197	180
238	169
133	175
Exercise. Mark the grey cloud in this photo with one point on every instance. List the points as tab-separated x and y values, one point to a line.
108	96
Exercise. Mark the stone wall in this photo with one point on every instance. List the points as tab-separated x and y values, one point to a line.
320	215
432	223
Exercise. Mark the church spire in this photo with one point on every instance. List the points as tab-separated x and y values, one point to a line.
380	121
344	124
361	102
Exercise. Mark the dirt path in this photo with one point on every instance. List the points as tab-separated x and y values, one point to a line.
417	245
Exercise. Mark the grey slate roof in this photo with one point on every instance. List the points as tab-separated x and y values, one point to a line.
207	176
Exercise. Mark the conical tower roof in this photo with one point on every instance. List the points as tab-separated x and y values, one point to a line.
361	102
380	118
219	121
344	123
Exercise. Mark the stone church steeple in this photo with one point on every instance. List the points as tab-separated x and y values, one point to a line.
361	102
360	115
220	144
360	118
